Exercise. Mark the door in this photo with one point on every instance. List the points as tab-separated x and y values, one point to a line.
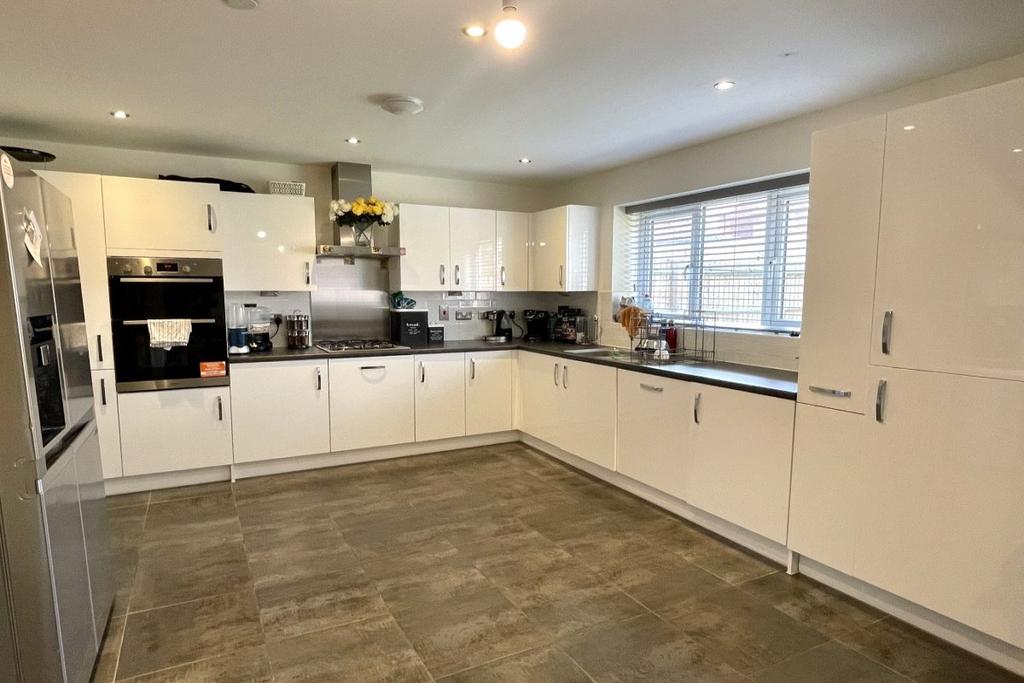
653	430
108	424
473	249
174	430
547	250
269	242
86	195
828	454
513	251
741	458
160	215
96	526
488	392
372	402
423	231
587	412
950	292
280	410
440	382
581	248
540	394
835	341
941	503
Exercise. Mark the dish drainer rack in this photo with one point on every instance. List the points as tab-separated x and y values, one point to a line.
695	337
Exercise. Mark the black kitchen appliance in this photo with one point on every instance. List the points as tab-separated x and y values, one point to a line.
409	327
570	325
502	331
143	289
538	325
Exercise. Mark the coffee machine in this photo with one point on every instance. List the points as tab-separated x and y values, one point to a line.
502	325
538	325
570	325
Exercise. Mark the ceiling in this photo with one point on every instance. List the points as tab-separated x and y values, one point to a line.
598	82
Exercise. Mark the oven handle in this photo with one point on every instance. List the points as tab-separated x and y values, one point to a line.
194	321
167	280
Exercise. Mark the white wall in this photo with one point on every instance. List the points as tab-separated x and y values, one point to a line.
767	151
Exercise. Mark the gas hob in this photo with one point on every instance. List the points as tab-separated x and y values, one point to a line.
343	345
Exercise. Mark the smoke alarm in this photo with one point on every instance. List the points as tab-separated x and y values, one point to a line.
242	4
402	105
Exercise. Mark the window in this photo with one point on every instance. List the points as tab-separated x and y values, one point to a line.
737	252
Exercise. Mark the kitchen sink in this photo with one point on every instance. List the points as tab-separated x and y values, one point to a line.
596	352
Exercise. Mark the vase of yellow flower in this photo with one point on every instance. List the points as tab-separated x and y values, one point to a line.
361	215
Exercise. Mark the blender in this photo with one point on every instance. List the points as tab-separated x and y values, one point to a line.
238	330
260	320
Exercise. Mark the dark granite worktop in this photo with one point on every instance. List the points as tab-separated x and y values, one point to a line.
758	380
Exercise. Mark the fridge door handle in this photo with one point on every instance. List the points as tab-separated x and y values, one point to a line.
880	396
887	333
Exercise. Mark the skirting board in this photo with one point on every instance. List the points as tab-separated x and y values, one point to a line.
994	650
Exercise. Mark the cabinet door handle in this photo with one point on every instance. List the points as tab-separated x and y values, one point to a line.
319	380
828	391
887	333
423	372
651	387
565	376
220	409
309	273
99	348
372	367
103	392
503	276
561	276
458	280
211	218
696	409
556	374
880	401
472	368
440	274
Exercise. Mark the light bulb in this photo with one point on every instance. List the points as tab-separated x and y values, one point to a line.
510	33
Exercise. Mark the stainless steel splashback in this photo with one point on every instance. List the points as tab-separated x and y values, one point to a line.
351	299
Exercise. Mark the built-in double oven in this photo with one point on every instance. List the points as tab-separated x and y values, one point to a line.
167	289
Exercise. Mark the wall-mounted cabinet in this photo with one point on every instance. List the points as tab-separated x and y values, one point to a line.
154	216
473	249
512	250
269	242
563	249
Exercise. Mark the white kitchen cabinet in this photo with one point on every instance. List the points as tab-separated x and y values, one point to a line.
269	242
424	232
540	395
173	430
950	289
842	244
940	507
489	392
472	239
86	195
160	215
586	412
828	454
440	381
372	402
563	249
512	249
108	424
740	459
652	435
280	410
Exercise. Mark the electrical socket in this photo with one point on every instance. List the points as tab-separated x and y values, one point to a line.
442	313
463	315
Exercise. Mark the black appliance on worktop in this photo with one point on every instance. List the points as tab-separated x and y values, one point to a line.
538	325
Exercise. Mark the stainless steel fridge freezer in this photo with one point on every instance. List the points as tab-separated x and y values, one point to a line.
55	567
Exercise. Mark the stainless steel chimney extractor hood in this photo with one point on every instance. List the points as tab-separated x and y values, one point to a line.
349	181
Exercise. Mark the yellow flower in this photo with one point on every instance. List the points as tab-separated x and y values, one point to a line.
359	200
357	209
373	200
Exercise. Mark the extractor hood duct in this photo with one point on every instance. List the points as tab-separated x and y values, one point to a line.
349	181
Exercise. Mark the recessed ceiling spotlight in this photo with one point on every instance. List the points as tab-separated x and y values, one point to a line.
399	105
242	4
1018	150
909	127
353	140
525	160
510	32
120	114
474	31
725	85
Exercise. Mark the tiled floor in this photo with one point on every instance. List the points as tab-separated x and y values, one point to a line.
492	564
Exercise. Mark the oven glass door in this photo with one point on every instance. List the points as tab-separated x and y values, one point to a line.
139	367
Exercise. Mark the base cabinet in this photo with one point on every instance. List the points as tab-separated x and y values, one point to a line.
741	458
180	429
489	392
372	402
653	430
440	381
280	410
108	424
539	395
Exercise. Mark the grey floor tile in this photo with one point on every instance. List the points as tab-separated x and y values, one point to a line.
188	632
644	649
660	579
128	499
215	488
813	604
727	561
744	631
213	568
244	666
106	662
541	664
371	651
127	525
190	519
828	662
294	551
125	563
920	656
